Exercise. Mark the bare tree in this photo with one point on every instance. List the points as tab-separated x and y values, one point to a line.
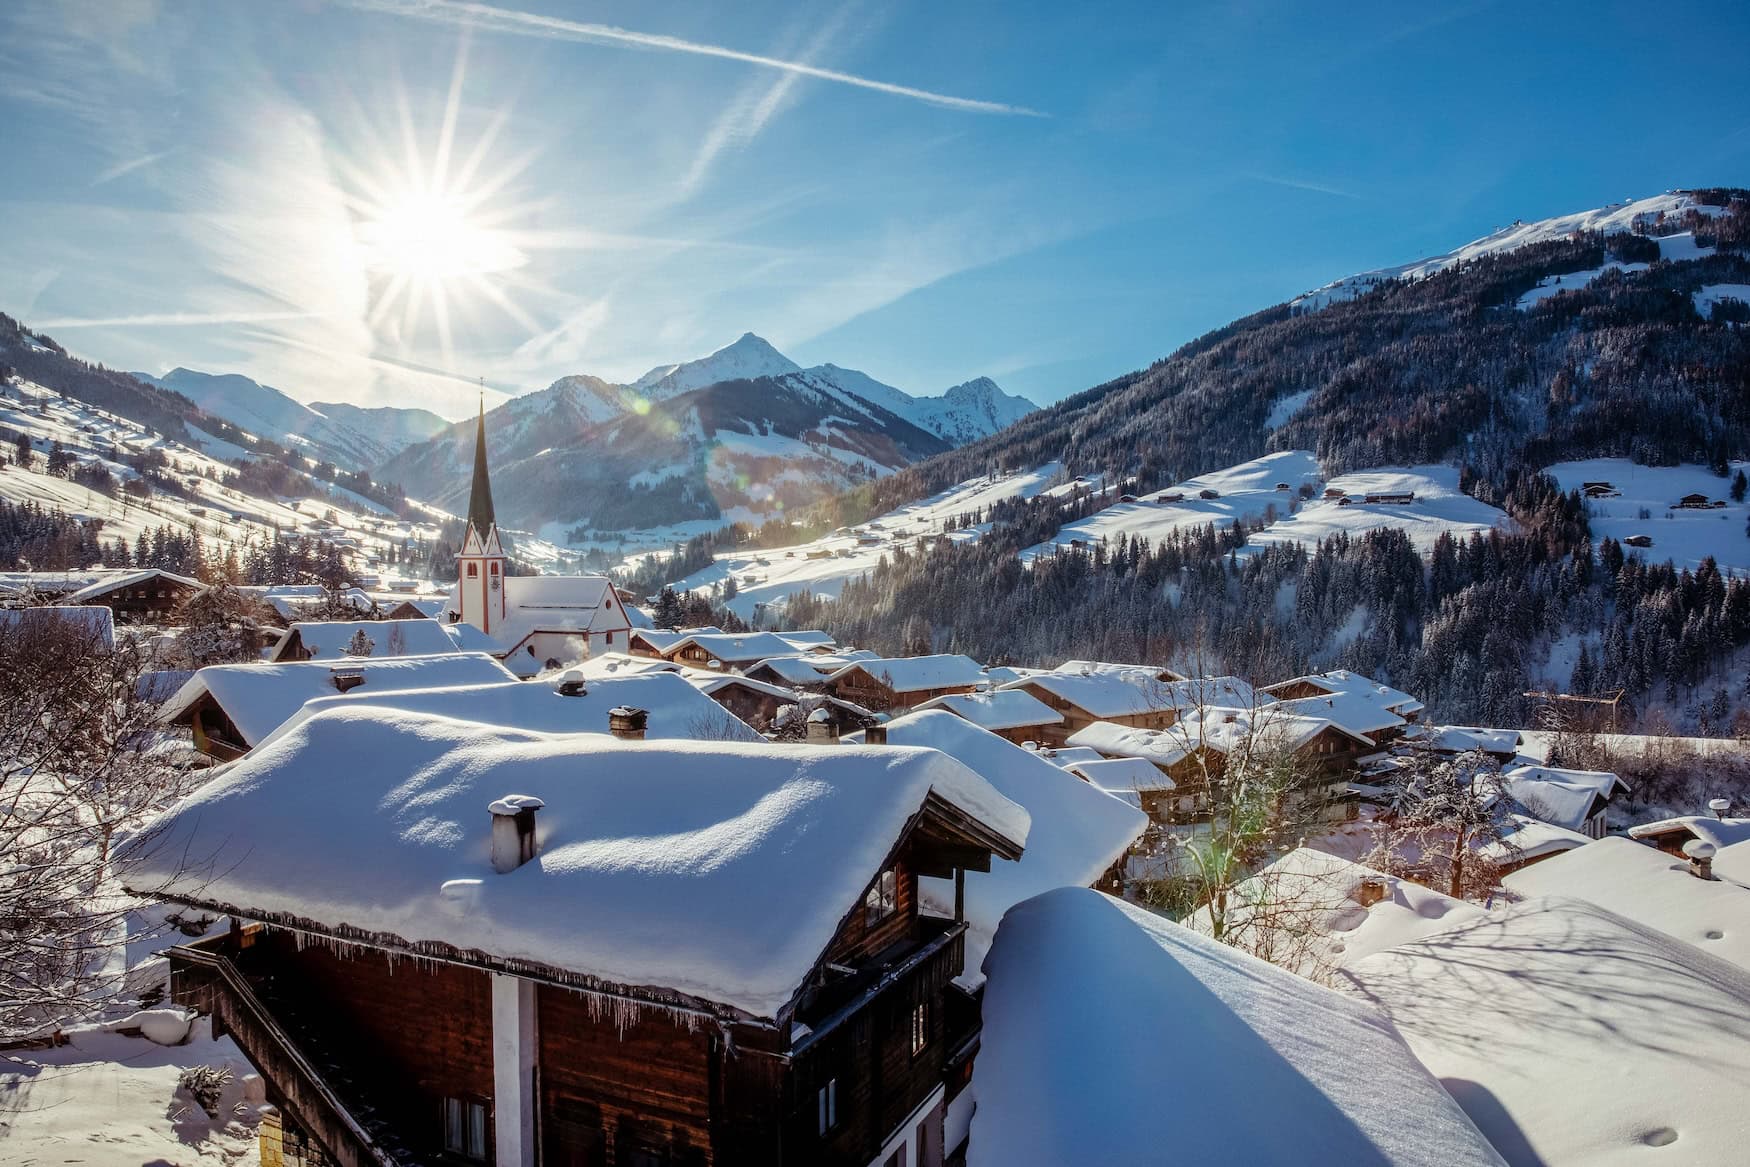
83	762
222	625
1449	824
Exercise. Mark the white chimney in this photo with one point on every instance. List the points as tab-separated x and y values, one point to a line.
1701	858
513	831
1719	806
821	727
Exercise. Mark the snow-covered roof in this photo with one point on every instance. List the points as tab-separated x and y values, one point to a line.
1160	747
716	870
1343	682
911	674
328	639
103	587
1720	832
794	670
733	647
1573	1036
95	621
1566	798
258	698
1733	863
1118	775
1002	709
1529	839
1460	739
1126	691
1650	887
677	710
1304	912
809	638
1114	1036
551	603
1078	831
1355	712
659	639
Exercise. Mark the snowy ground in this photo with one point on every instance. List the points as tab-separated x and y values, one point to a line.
1556	285
1685	537
1712	294
108	1099
825	565
1439	509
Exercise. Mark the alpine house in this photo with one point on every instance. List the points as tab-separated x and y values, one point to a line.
459	943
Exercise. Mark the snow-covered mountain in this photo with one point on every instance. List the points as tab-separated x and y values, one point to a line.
1643	214
347	435
769	430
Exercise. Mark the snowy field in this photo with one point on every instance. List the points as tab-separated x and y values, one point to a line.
825	565
1685	537
1712	294
1439	509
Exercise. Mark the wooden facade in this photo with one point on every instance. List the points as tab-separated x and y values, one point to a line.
215	734
142	601
369	1049
1076	718
858	686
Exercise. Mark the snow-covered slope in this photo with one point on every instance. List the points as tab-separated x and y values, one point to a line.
1615	217
969	411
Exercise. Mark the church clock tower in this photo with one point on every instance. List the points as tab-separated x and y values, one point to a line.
482	562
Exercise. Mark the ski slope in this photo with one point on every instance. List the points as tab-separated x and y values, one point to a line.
1685	537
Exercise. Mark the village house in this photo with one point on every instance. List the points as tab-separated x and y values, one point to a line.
1009	713
1575	799
1134	780
655	642
1143	696
1671	835
535	622
1342	683
595	951
1499	744
728	651
231	709
899	683
793	672
147	596
331	639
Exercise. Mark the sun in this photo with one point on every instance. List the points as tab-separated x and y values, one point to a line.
431	237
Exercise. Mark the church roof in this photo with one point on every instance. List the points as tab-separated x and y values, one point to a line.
480	515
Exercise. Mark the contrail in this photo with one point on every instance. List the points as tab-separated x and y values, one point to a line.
507	20
169	319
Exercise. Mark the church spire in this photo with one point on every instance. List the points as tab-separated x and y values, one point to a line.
480	515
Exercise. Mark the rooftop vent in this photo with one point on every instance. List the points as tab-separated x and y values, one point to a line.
1719	806
627	723
821	727
570	684
513	830
1701	858
875	735
347	680
1370	891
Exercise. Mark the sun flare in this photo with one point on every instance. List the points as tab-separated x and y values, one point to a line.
432	237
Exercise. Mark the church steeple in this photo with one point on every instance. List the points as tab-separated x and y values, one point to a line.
480	515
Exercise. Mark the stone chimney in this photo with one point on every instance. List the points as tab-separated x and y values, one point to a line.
1719	806
513	831
1370	891
875	735
821	727
1701	858
570	684
627	723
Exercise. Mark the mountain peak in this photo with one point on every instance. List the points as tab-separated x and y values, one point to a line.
748	357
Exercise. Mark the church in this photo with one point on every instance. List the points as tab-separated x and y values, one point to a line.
530	622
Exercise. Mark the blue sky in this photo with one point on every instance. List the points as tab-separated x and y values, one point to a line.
1047	194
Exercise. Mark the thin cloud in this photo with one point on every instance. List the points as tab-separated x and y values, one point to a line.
128	167
1298	184
507	20
173	319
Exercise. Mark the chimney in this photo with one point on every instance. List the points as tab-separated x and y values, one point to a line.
821	727
1030	744
1701	858
1370	891
1719	806
570	684
345	681
627	723
513	831
875	735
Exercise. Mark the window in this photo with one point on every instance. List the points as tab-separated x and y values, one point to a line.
494	568
473	570
920	1027
465	1128
828	1102
883	898
611	644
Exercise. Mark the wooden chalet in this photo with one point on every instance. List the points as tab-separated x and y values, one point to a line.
149	596
331	639
786	1003
730	652
1142	696
1695	502
1013	714
899	683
